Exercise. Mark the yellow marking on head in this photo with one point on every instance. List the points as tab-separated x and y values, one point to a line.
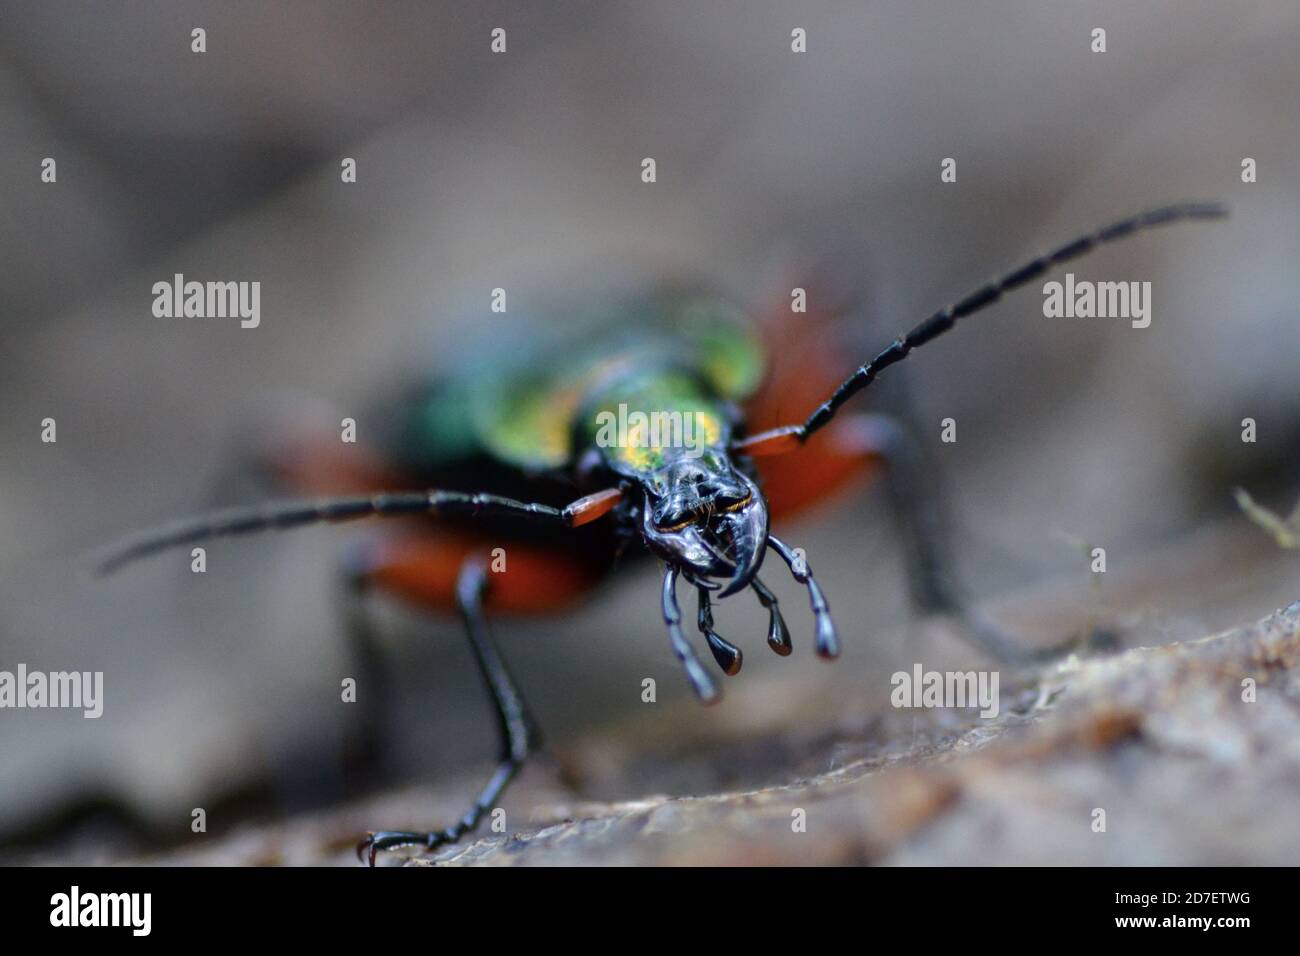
708	430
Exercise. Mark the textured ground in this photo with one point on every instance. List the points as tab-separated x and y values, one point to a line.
1160	738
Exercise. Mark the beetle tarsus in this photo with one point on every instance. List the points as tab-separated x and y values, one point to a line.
519	736
392	839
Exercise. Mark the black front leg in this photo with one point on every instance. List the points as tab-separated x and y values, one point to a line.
519	735
919	510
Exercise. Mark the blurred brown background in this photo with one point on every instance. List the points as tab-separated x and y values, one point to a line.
522	171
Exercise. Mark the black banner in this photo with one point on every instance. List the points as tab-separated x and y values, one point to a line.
337	905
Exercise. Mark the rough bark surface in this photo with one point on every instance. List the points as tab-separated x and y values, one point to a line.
1165	740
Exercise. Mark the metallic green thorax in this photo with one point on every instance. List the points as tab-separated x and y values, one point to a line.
644	418
679	362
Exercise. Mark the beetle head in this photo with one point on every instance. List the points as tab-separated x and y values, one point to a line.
708	519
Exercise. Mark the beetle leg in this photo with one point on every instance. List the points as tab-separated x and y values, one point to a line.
778	637
827	642
519	735
701	682
727	655
918	507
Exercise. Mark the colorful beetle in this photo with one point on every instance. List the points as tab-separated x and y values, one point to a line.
566	436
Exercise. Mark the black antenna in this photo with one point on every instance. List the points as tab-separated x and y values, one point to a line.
296	514
945	319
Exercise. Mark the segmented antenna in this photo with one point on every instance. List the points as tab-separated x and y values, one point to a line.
296	514
943	320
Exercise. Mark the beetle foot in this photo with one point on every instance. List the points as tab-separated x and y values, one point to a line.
391	839
1012	651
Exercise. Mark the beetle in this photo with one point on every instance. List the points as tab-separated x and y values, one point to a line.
533	448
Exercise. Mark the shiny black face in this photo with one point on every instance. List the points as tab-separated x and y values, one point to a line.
707	519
